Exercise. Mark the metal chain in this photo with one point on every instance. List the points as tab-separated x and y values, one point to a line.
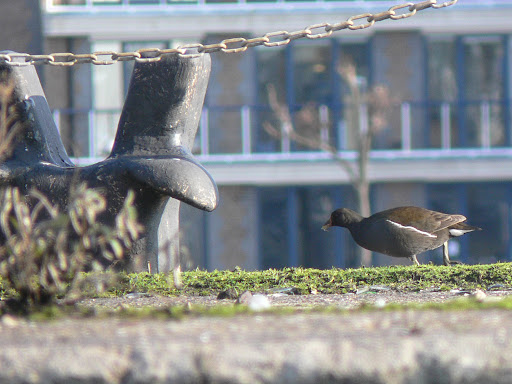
232	45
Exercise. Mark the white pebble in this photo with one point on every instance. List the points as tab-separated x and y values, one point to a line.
259	303
380	303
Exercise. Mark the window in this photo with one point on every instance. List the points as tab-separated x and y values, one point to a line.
442	89
320	249
312	81
270	77
353	71
483	91
273	228
108	100
290	227
466	91
312	93
487	206
448	198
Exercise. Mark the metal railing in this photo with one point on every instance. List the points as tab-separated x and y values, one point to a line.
412	130
99	4
66	6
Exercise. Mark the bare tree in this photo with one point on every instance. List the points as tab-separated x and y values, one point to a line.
366	113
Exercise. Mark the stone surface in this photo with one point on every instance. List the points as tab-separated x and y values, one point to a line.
377	346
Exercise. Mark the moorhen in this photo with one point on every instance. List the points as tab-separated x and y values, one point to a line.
402	231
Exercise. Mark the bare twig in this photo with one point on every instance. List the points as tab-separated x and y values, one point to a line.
288	130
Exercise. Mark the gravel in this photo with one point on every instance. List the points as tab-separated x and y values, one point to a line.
371	296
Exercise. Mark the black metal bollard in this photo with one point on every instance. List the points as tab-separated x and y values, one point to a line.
151	154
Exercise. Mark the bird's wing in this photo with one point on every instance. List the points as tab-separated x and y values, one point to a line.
411	229
422	219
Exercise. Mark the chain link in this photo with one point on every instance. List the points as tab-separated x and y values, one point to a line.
232	45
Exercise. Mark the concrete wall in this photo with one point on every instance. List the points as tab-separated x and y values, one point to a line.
232	237
21	29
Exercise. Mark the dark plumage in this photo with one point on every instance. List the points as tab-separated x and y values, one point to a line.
402	231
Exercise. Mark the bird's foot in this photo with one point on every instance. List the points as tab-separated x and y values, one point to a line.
414	259
452	262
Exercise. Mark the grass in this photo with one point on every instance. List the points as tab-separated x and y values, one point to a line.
405	278
199	282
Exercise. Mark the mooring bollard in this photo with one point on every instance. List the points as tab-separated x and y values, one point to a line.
151	153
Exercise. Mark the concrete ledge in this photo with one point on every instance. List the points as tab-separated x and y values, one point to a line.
330	172
370	347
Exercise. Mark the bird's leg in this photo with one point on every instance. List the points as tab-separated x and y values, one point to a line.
446	258
414	259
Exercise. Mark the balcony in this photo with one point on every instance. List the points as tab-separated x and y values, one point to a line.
135	20
441	141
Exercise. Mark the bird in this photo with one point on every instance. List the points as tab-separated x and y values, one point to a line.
402	231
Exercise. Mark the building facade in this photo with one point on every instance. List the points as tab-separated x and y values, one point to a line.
433	88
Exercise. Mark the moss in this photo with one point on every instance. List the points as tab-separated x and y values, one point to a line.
335	280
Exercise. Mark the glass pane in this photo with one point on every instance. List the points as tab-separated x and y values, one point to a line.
270	75
386	127
274	228
319	247
270	71
352	66
312	80
312	87
488	209
484	125
442	81
352	70
225	133
472	119
419	136
484	90
192	237
108	100
483	64
443	126
265	130
105	124
312	127
496	123
445	198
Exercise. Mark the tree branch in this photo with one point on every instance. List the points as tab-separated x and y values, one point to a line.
288	130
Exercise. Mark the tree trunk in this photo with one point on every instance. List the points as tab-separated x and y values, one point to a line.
363	195
363	186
